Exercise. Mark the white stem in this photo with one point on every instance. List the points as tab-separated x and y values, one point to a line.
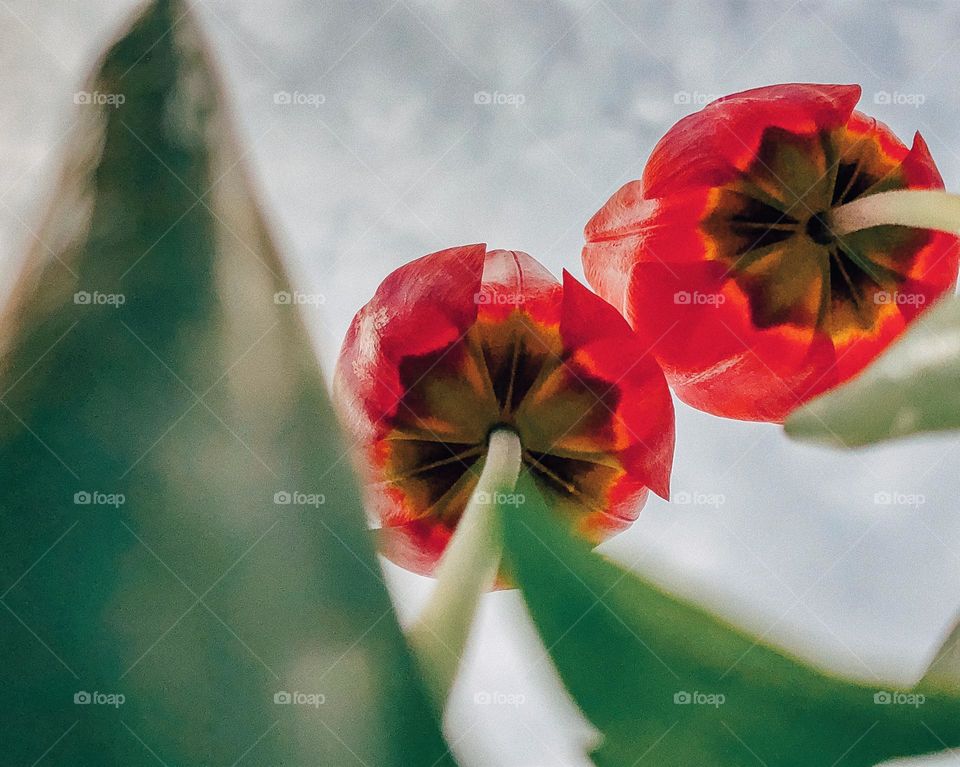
467	570
918	208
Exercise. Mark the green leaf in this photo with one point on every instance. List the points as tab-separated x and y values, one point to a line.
944	671
669	684
911	388
178	519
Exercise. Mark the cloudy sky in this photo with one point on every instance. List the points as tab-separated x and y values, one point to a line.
385	154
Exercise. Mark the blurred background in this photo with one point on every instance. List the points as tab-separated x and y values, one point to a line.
383	130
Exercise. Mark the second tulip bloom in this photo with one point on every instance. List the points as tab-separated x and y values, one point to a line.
723	259
465	341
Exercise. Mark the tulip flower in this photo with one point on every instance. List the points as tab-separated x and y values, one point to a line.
778	241
469	366
464	342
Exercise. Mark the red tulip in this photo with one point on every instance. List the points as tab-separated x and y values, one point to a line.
464	341
730	259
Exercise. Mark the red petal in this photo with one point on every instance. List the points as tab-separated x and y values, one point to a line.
912	298
416	546
919	167
935	265
513	279
603	343
714	356
420	307
628	498
629	228
708	147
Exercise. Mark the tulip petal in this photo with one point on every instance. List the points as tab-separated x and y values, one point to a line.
708	147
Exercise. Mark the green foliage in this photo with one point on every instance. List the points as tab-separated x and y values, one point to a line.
161	412
911	388
669	684
944	671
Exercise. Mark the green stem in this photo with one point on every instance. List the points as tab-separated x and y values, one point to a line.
467	570
918	208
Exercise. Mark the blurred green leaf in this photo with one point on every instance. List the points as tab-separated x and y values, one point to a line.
913	387
179	522
944	671
669	684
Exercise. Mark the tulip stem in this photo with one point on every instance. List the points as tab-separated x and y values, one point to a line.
918	208
467	570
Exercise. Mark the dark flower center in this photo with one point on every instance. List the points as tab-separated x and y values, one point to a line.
507	374
769	227
818	231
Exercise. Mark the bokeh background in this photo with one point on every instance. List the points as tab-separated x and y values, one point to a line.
413	125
